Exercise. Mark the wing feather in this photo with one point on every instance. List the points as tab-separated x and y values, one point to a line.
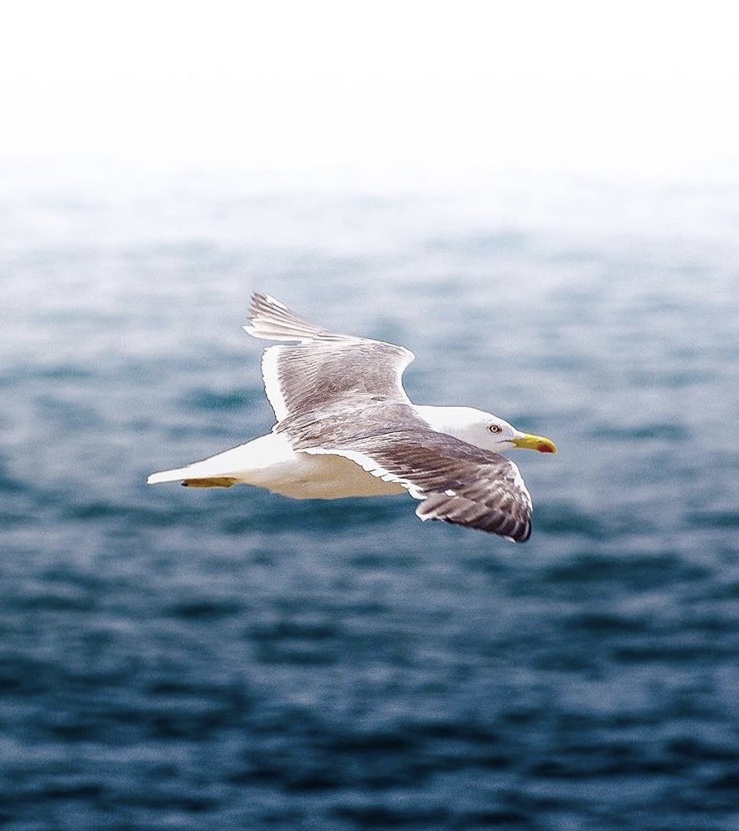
455	481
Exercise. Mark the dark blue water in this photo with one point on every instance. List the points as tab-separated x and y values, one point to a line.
172	659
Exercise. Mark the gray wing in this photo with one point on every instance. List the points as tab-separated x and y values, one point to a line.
325	367
455	481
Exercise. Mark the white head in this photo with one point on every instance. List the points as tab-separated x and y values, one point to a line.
482	429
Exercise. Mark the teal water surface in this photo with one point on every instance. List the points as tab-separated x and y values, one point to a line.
233	659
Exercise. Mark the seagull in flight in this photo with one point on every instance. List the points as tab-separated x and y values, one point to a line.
346	428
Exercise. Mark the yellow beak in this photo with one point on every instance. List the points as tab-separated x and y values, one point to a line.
539	443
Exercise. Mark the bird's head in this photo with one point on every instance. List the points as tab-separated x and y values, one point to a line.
484	430
501	436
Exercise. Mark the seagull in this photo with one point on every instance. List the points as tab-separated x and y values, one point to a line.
346	428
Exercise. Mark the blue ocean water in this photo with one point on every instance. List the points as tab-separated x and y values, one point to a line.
231	659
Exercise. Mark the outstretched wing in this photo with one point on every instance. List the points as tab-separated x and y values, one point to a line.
324	367
455	481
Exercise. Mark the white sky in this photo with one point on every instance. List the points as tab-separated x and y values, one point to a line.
649	87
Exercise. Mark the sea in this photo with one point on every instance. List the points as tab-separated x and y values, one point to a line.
231	659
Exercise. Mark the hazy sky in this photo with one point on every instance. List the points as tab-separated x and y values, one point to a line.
630	86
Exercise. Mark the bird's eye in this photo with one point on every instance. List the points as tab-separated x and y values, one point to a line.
495	428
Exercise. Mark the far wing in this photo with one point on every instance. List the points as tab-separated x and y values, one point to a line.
325	367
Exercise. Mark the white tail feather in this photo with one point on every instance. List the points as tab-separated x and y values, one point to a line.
176	475
248	463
